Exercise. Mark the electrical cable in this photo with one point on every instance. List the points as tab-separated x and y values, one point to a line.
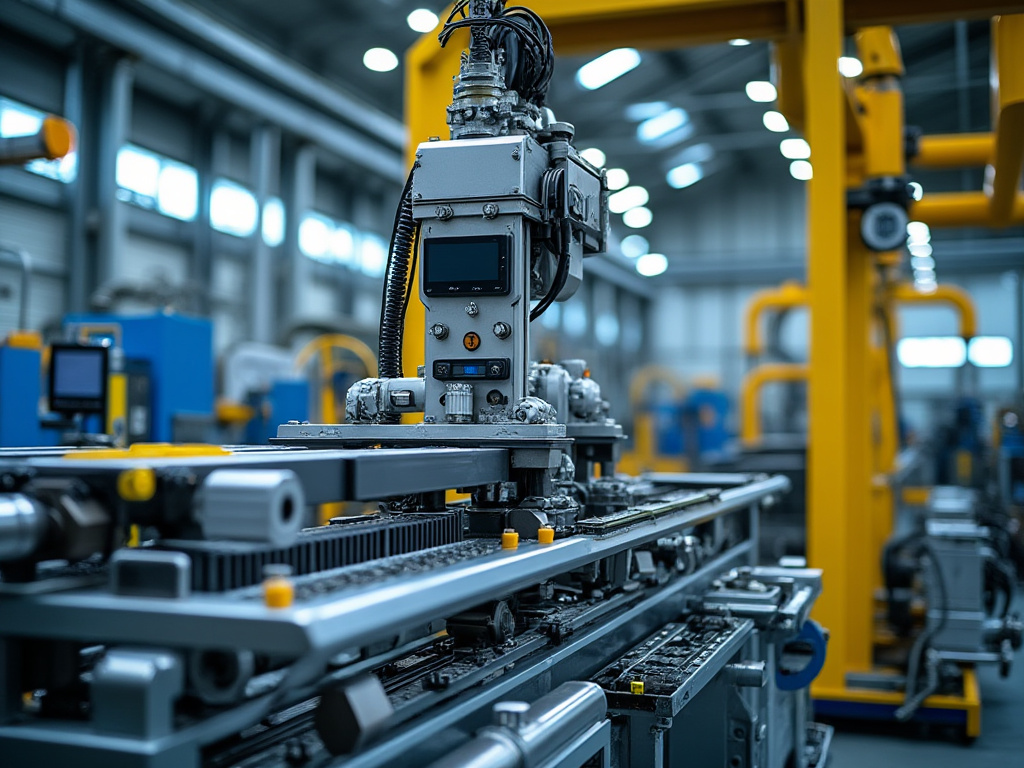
397	286
913	698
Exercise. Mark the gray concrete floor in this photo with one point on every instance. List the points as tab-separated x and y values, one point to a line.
1001	744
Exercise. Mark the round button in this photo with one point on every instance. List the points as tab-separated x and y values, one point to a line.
471	341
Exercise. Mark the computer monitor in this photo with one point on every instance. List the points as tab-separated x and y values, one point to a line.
78	379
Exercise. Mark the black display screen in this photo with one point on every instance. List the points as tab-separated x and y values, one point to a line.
78	379
466	265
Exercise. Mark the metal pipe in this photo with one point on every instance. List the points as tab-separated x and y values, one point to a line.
23	527
788	296
958	150
530	736
754	382
906	293
55	139
23	261
962	209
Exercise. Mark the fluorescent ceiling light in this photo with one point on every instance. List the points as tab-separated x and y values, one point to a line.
850	67
646	110
630	197
775	122
990	351
918	233
652	264
634	246
618	179
801	170
315	235
606	329
916	190
761	91
685	175
638	218
178	192
233	209
932	352
920	249
422	20
594	156
610	66
926	263
739	41
654	128
795	149
342	245
380	60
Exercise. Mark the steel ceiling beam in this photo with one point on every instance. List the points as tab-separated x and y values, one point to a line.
227	83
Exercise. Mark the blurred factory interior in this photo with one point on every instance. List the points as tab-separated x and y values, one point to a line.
222	224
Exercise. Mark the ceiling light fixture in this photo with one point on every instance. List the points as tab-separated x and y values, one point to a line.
618	179
604	69
652	264
850	67
761	91
634	246
684	175
739	41
630	197
795	149
638	218
380	60
655	128
801	170
594	156
422	20
775	122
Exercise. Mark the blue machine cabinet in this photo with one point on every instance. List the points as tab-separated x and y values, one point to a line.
179	351
20	390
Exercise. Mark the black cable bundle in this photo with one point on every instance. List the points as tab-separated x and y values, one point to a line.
529	49
397	286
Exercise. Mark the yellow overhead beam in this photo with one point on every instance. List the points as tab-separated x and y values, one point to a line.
961	209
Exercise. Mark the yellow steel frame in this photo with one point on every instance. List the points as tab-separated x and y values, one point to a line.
810	35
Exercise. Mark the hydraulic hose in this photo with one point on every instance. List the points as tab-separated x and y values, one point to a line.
395	299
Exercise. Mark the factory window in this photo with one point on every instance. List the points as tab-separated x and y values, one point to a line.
952	352
273	222
343	245
606	330
374	254
932	352
315	236
574	319
233	209
17	119
153	181
990	351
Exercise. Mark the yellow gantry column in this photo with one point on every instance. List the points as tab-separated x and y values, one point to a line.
839	448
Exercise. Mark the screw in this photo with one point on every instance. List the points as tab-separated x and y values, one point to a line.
490	210
502	330
444	212
472	309
439	331
510	714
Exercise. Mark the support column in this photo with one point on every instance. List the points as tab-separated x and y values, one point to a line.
115	124
265	164
839	432
76	248
300	200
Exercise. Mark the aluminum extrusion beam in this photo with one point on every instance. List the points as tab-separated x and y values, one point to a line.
354	617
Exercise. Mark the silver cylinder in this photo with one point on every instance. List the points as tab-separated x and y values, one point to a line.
22	526
458	403
265	505
548	726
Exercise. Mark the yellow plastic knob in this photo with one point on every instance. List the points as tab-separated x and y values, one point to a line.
509	539
545	535
278	592
637	687
137	484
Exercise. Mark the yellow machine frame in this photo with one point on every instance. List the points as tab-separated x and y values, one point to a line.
848	148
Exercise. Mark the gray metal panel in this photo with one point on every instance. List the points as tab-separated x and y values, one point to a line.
510	166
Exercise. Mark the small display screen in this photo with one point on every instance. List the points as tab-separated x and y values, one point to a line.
469	370
78	379
460	265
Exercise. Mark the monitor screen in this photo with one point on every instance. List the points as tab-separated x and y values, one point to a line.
78	379
466	265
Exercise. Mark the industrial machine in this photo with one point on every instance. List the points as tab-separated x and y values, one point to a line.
559	616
